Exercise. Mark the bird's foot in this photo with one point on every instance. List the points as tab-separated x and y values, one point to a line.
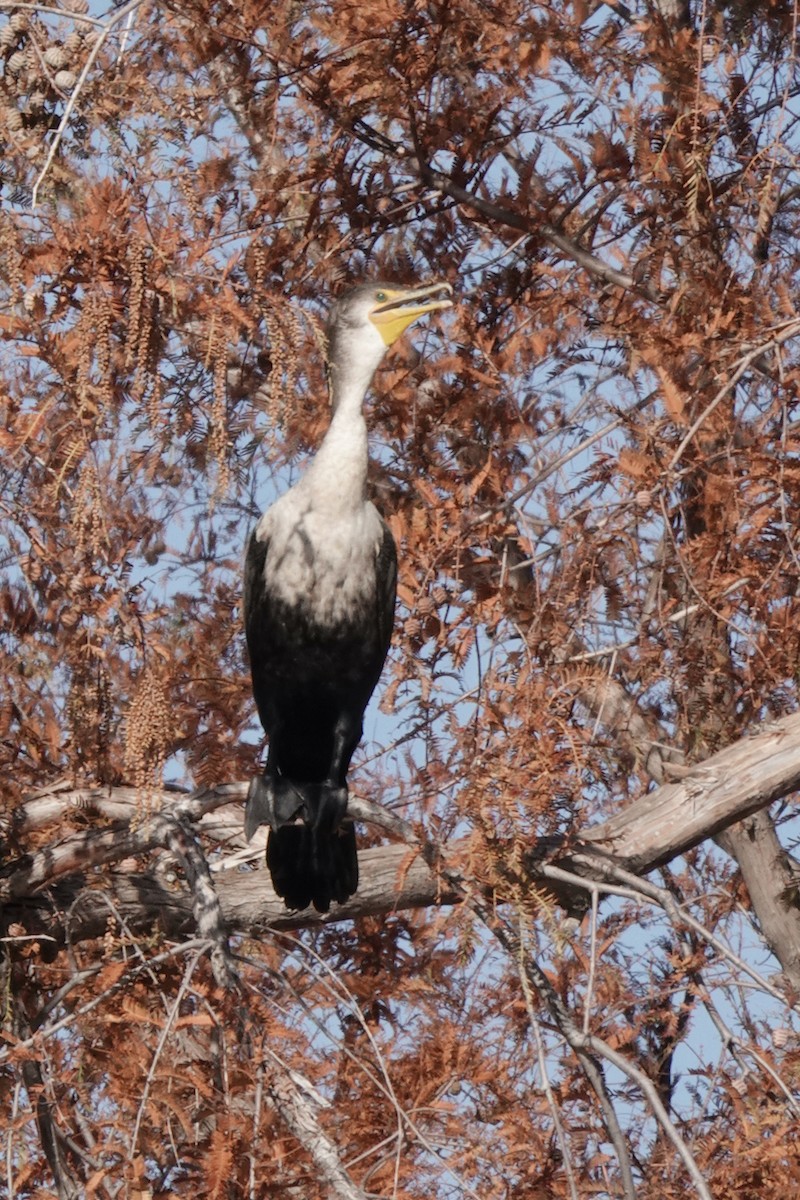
331	807
259	808
311	849
272	801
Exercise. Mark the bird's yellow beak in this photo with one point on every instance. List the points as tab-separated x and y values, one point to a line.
403	305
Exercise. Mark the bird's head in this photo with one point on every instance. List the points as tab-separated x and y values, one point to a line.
369	318
392	309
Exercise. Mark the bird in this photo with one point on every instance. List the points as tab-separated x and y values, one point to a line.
318	602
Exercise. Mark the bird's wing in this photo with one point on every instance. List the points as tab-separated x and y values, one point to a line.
386	576
254	563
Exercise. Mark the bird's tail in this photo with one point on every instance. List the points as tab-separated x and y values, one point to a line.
309	866
311	850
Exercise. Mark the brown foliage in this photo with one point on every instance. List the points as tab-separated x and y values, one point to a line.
592	471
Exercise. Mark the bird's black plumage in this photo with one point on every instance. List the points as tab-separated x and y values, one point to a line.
319	595
311	686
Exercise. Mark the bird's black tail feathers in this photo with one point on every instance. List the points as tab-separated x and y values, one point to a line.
309	866
311	850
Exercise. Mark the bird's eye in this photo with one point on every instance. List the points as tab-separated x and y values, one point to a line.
381	296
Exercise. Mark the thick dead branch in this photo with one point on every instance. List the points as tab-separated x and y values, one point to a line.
726	788
767	869
300	1115
392	879
771	880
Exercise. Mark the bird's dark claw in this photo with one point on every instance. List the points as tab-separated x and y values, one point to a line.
331	807
277	802
272	801
260	806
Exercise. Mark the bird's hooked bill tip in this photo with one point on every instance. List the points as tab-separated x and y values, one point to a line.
427	298
398	307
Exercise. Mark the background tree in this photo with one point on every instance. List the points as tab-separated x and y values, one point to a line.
592	471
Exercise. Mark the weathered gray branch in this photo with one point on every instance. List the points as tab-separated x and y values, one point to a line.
393	878
770	877
726	788
299	1112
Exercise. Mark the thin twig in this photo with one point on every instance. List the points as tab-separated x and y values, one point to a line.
744	362
529	224
124	981
675	911
172	1016
648	1089
590	1048
587	1004
591	1068
739	1047
108	26
336	987
548	1091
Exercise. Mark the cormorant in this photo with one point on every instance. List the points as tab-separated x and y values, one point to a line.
319	594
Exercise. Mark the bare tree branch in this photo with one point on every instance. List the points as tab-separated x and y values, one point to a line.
771	879
535	228
726	787
300	1116
732	784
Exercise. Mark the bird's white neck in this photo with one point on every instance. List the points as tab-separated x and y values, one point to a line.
338	474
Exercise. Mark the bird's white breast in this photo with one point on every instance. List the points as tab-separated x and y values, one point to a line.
320	563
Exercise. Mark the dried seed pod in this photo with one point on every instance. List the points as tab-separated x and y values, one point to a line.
16	62
780	1036
12	119
32	60
65	80
55	57
73	43
150	728
18	22
710	50
7	37
76	6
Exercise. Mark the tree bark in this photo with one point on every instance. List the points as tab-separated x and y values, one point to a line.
730	785
726	788
771	878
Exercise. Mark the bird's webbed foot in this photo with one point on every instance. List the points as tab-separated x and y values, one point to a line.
331	807
311	849
272	801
